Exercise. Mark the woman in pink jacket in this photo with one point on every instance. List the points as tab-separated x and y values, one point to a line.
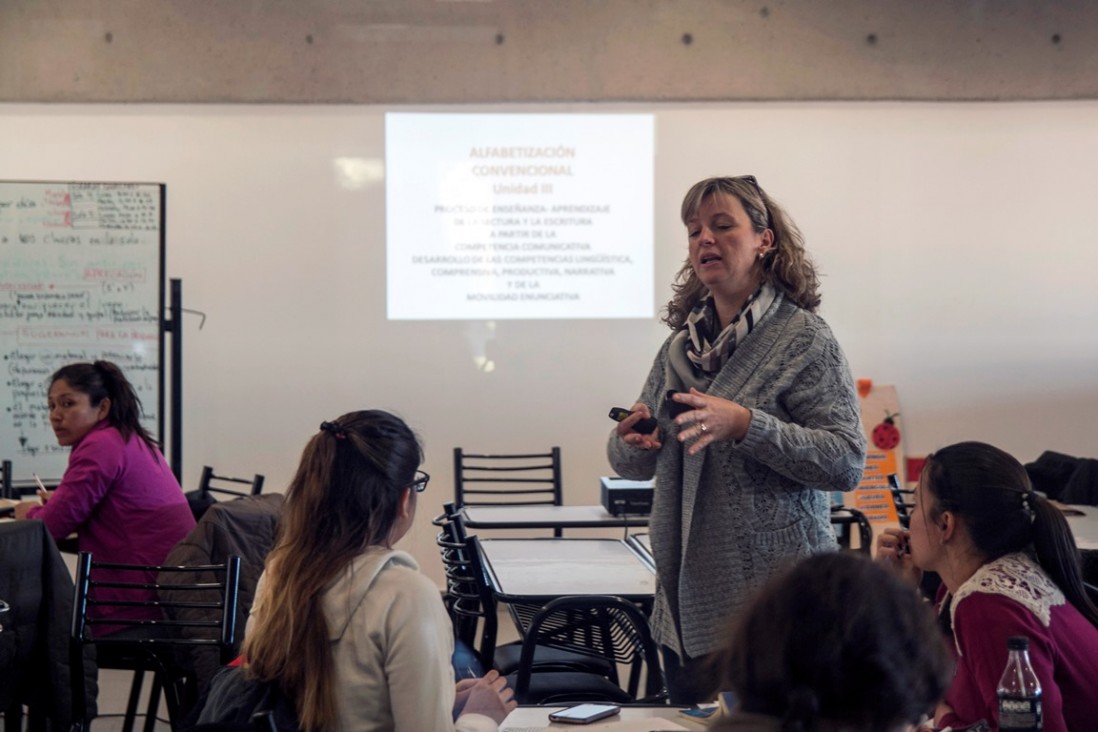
118	493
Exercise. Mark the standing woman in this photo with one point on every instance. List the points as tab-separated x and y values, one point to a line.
764	424
346	625
118	493
1009	567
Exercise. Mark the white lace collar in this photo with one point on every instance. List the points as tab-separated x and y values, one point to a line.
1017	577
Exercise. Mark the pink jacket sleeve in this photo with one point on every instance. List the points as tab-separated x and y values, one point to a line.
93	467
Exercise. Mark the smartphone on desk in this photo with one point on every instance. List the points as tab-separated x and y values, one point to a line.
704	711
584	713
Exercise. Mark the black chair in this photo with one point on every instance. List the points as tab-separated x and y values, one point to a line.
532	479
223	485
902	499
474	611
158	645
598	626
843	520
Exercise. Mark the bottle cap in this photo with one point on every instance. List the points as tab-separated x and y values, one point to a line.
1018	643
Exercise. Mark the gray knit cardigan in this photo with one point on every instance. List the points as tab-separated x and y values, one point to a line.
725	520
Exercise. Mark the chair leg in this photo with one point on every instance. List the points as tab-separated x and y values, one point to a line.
13	718
154	704
135	698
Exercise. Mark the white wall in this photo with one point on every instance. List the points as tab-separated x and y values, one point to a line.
957	243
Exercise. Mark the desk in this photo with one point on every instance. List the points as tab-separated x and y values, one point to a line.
1084	526
640	544
529	571
546	517
631	719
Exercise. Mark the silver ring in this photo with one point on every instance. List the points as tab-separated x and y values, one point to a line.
702	426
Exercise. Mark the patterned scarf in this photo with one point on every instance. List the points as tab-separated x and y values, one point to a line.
709	353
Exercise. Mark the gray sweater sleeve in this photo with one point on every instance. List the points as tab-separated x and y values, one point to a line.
821	443
636	463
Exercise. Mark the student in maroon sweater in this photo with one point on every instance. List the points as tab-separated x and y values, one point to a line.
118	493
1009	567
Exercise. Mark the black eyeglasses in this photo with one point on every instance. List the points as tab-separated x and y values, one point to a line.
420	482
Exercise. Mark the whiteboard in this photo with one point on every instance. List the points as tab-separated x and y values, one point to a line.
82	279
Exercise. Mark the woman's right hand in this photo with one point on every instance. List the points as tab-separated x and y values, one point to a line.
489	696
625	430
894	552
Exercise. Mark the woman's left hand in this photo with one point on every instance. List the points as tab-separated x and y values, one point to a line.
941	711
710	419
23	507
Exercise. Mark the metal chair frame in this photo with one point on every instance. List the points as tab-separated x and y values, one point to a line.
506	478
845	517
206	484
6	488
600	626
160	639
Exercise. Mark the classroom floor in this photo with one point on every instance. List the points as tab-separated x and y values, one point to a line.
114	692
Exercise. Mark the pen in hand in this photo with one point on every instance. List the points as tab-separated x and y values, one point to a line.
43	494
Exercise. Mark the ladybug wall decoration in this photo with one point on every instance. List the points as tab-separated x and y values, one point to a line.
886	435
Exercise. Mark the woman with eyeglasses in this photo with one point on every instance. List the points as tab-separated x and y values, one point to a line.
344	623
1009	567
756	422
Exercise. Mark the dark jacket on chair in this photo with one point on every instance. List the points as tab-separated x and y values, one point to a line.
34	645
244	527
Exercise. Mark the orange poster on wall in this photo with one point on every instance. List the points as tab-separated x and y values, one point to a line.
884	454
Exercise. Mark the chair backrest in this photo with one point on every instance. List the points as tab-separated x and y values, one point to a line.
600	626
902	499
470	603
211	482
843	519
530	479
6	490
114	591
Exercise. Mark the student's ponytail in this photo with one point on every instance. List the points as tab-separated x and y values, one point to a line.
125	414
1058	555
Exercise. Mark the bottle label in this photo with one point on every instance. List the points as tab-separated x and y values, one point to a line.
1019	714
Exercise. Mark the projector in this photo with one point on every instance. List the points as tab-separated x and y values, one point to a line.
624	497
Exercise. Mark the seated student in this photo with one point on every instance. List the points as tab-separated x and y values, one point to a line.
836	643
118	493
342	622
1009	567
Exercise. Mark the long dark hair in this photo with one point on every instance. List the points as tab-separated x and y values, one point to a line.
104	379
344	498
991	491
838	640
786	265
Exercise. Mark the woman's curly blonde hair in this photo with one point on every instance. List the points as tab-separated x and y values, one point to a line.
786	264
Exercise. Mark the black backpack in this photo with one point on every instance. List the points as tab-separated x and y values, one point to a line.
236	702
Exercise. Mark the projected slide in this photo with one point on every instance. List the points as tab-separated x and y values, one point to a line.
505	216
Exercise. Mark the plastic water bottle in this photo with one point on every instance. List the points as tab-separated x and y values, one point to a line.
1019	691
